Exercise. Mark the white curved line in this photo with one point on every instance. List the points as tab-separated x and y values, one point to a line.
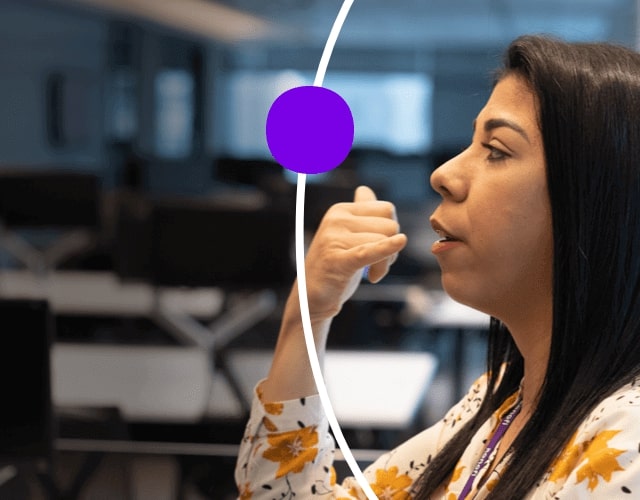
331	42
302	279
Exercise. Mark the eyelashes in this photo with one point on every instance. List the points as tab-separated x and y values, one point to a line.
494	154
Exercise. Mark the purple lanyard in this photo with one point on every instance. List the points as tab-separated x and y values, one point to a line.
495	439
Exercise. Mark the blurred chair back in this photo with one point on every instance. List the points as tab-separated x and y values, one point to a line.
49	198
59	207
197	242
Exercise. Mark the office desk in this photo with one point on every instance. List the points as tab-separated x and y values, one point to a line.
145	383
435	310
367	389
104	294
101	293
427	306
447	315
179	384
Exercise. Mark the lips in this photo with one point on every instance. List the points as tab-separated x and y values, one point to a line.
443	233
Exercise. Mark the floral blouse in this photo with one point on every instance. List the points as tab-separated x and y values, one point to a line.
287	452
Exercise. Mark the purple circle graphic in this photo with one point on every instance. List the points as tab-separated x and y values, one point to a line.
310	129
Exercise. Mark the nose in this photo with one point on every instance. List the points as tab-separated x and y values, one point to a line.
449	179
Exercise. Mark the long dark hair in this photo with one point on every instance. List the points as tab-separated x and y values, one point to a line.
588	96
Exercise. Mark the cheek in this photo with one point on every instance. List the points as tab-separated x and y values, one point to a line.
510	246
515	233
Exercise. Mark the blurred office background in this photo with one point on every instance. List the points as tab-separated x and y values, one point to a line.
146	234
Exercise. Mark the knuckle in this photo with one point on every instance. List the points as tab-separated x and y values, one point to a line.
360	254
335	208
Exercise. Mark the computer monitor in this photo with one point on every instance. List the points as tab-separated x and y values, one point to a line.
198	243
26	422
251	171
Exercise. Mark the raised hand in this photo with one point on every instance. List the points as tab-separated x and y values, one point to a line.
351	235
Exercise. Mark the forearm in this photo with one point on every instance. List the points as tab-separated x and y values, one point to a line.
287	449
350	237
290	376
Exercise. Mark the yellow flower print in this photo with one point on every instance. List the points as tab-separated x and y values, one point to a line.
601	460
457	473
492	483
567	461
292	450
355	493
245	493
270	408
273	408
390	486
269	425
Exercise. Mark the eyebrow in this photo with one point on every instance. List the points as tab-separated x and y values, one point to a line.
494	123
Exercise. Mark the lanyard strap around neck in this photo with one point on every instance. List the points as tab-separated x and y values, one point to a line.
493	443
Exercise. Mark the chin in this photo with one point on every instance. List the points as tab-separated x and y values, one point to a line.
476	298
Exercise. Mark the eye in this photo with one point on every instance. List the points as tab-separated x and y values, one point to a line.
495	154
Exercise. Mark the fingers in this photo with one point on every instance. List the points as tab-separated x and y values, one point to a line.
363	198
376	208
352	235
379	256
367	224
358	234
379	270
364	193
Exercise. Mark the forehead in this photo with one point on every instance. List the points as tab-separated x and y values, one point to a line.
512	99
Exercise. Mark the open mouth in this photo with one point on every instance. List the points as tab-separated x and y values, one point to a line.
444	236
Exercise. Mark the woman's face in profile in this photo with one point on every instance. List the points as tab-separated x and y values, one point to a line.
494	220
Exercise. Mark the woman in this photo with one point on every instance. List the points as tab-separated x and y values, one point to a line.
539	227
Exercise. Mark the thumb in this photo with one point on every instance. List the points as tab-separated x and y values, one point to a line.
364	193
